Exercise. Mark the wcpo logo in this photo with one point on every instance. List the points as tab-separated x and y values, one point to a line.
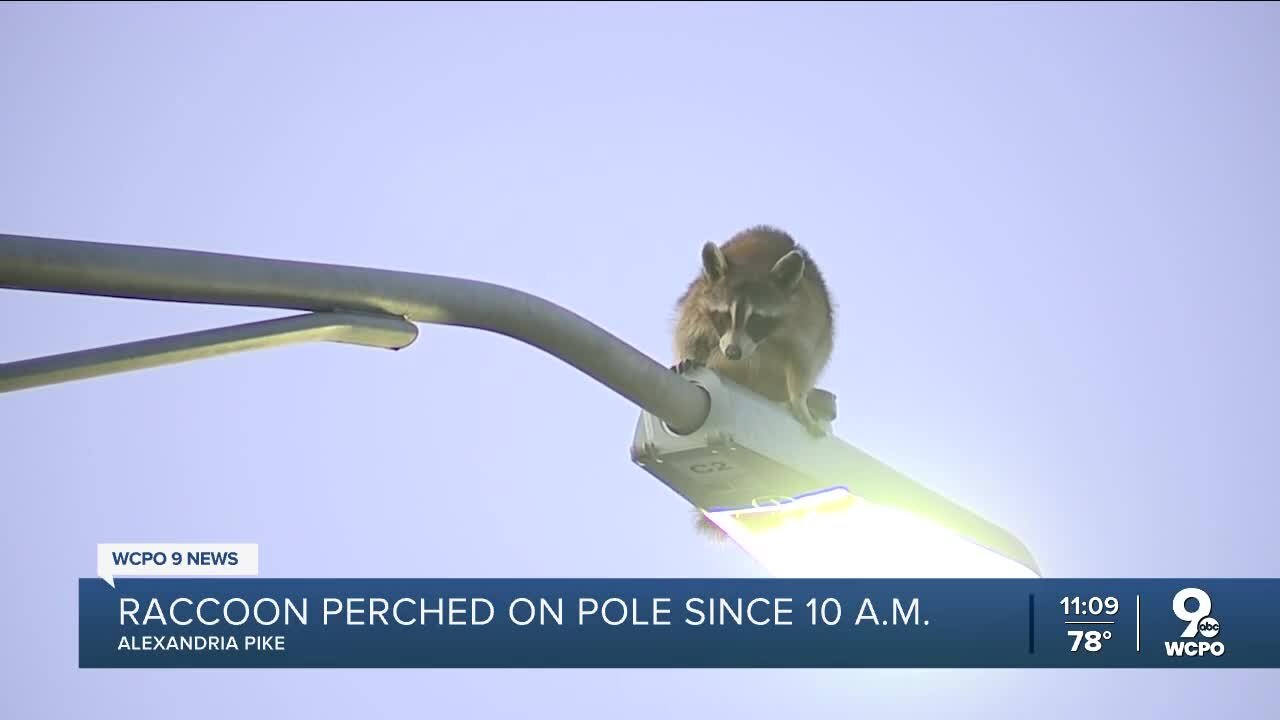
1199	623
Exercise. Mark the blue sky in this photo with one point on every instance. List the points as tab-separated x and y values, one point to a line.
1050	231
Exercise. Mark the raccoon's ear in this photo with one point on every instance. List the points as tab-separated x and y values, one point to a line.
714	264
788	271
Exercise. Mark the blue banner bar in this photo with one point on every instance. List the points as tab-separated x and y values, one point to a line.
683	623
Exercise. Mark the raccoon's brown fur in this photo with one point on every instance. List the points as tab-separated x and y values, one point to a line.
759	313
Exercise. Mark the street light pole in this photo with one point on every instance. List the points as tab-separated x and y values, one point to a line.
188	276
725	460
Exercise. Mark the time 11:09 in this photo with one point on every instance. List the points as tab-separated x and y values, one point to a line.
1090	606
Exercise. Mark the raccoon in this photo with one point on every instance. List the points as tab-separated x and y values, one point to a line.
759	313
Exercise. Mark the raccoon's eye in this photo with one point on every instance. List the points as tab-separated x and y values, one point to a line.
721	320
759	326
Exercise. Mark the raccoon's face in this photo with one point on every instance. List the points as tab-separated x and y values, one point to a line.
747	309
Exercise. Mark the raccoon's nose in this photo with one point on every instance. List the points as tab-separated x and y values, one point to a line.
733	352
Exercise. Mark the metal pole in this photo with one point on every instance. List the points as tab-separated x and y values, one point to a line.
165	274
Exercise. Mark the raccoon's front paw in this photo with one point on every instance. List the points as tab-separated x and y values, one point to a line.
815	428
687	364
800	410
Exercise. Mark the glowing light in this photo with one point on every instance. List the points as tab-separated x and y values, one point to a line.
834	533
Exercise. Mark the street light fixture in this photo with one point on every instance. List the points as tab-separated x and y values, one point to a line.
798	504
806	506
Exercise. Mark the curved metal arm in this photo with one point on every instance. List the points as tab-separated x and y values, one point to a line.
71	266
382	331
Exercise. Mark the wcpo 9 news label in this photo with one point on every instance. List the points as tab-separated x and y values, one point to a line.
162	610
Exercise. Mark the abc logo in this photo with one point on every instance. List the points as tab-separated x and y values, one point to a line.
1208	628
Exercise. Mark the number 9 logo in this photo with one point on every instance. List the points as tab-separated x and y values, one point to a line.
1203	606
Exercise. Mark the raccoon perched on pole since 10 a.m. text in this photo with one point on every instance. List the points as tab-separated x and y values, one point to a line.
759	314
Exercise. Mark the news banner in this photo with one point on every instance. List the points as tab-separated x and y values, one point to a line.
163	619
